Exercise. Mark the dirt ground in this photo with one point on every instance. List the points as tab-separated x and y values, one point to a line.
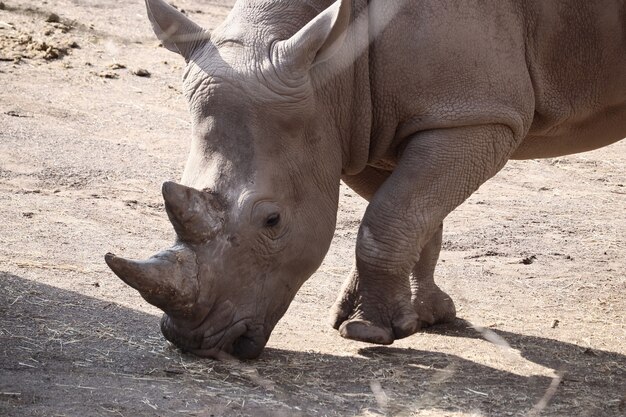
535	260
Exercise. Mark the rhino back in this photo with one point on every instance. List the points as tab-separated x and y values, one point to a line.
576	52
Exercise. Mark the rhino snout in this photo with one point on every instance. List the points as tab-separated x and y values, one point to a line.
240	339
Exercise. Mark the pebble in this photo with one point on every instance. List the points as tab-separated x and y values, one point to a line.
108	75
53	18
140	72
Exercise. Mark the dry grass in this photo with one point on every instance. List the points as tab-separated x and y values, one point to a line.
381	383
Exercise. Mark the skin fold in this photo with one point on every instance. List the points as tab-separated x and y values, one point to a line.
413	104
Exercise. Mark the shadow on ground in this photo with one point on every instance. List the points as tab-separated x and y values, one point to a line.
103	359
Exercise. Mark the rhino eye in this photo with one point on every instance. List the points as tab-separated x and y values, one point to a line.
272	220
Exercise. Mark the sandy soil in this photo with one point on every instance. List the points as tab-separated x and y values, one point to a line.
535	259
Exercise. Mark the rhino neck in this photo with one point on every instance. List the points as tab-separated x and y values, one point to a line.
343	85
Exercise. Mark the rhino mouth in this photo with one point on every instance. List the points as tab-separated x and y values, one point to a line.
240	339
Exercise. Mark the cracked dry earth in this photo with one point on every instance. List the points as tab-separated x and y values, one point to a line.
535	260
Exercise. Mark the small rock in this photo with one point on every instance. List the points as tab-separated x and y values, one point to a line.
14	113
51	53
53	18
41	46
528	260
116	66
555	324
63	27
140	72
590	352
173	371
24	39
28	214
108	74
96	284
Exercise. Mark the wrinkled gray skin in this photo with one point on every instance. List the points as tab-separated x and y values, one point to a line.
414	104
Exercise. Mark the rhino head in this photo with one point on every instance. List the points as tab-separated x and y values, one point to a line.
256	210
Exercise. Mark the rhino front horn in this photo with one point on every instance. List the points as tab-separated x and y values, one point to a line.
168	280
194	214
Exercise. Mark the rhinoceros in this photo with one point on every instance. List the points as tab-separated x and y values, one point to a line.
412	103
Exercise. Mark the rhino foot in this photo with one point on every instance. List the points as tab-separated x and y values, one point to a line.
433	307
372	315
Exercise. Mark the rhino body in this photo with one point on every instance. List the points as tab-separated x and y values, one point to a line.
413	103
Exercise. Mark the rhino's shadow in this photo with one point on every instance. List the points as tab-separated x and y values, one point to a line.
564	357
61	351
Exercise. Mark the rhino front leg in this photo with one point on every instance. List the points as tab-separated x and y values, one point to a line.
436	172
366	183
430	303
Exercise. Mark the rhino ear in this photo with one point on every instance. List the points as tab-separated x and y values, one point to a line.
174	29
316	42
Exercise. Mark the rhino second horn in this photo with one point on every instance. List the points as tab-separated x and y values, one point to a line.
193	213
168	280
